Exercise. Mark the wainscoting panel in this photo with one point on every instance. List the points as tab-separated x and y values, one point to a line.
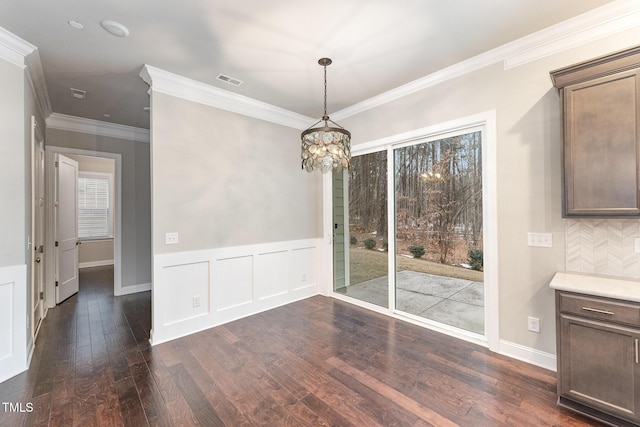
187	292
13	321
234	278
273	279
304	271
193	291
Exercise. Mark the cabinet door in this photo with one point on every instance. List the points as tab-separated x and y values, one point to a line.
598	365
601	155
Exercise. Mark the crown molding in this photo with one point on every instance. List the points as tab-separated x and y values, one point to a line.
192	90
97	127
448	73
25	55
599	23
35	75
13	49
605	21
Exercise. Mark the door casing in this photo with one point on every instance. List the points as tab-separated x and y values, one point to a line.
50	151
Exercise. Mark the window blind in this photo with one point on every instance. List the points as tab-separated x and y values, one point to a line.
93	207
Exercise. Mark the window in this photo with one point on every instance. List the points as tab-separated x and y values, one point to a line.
94	206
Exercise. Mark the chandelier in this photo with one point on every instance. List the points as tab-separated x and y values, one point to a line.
326	147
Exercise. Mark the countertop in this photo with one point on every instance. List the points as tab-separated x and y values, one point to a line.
608	287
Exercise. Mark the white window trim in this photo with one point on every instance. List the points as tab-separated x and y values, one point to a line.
487	120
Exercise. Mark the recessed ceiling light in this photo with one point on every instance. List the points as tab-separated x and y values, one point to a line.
75	24
79	93
107	115
115	28
147	109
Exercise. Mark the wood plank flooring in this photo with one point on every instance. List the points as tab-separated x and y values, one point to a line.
317	362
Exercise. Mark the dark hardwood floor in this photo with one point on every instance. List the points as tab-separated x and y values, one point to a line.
317	362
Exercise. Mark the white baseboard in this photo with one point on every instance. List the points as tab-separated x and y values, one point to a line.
101	263
528	354
142	287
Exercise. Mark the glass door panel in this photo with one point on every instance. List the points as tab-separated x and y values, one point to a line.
438	231
361	270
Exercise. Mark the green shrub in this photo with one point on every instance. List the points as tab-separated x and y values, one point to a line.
385	245
476	259
369	243
353	240
416	250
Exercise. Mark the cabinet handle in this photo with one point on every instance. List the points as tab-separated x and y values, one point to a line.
598	310
636	351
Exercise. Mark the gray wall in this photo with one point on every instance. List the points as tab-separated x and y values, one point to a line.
136	204
528	172
13	154
221	179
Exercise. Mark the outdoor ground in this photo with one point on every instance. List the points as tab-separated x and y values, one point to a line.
366	264
449	294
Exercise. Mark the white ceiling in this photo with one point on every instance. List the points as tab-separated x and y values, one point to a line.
272	46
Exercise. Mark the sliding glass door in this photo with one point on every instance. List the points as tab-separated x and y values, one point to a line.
360	207
438	231
420	251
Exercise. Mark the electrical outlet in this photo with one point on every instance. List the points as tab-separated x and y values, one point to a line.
196	301
542	240
533	324
171	239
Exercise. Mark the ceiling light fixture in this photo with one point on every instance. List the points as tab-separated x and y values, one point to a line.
115	28
75	24
326	147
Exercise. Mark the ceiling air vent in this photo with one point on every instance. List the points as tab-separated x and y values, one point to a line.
229	80
79	93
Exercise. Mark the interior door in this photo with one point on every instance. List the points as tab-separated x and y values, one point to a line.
66	227
37	227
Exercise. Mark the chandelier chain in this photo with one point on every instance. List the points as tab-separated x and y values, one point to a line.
325	94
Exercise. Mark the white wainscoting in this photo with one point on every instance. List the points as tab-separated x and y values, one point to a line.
13	321
193	291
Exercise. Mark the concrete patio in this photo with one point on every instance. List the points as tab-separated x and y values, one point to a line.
451	301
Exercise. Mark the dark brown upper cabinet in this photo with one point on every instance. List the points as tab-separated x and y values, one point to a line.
600	102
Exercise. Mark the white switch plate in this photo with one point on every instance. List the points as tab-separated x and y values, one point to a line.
541	240
171	239
533	324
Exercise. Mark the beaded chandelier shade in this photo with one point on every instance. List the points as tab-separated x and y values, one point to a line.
326	147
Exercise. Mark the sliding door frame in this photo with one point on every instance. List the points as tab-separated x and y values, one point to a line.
486	121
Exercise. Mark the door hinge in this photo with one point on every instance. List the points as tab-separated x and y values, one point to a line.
56	283
56	244
55	164
41	295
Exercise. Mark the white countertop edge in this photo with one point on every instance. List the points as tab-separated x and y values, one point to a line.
628	290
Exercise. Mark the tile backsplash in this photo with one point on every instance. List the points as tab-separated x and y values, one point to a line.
603	247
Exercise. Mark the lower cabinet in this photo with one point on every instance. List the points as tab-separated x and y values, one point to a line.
598	366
